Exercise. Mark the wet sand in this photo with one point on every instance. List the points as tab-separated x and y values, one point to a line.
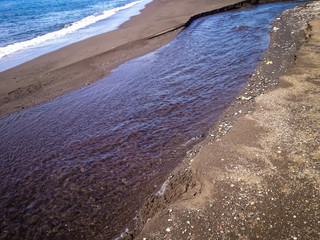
257	174
88	61
211	182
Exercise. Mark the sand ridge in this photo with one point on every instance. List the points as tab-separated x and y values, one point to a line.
243	177
90	60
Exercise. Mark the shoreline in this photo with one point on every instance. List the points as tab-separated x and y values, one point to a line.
224	125
239	159
83	63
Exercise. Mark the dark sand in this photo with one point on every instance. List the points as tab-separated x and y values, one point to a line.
88	61
257	174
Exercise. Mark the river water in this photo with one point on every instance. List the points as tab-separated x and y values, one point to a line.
79	167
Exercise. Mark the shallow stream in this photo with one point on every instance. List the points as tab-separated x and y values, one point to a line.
80	166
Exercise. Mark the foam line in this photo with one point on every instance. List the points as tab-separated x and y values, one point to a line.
15	47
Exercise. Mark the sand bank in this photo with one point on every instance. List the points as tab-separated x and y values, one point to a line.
257	174
88	61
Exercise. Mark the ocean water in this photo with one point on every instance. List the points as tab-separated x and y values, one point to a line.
80	166
30	28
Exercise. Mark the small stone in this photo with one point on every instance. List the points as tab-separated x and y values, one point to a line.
243	98
123	235
168	229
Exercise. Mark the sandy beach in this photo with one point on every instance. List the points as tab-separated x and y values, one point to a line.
257	174
88	61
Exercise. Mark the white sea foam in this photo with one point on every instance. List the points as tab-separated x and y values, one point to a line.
15	47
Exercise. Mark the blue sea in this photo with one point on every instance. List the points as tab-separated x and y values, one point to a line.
81	165
30	28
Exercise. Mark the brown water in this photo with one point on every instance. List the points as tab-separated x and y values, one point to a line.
80	166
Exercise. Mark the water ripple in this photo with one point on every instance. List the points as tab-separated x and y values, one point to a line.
91	156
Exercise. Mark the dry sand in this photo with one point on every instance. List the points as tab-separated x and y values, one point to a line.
257	175
88	61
